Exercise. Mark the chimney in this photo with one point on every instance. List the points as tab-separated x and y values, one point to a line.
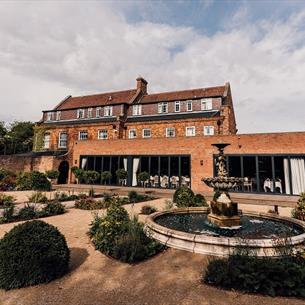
142	84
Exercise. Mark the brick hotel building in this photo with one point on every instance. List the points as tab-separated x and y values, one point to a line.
168	135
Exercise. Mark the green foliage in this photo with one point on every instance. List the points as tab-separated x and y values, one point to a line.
282	277
105	176
7	180
199	201
91	204
52	174
134	197
78	173
38	197
121	173
33	181
31	253
143	176
6	200
184	197
148	209
91	176
8	213
27	213
4	173
299	211
52	208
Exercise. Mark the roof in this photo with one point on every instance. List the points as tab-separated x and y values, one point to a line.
184	95
102	99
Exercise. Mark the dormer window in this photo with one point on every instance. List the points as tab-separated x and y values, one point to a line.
89	113
80	113
177	106
163	107
98	112
206	104
58	113
49	116
108	111
136	109
189	106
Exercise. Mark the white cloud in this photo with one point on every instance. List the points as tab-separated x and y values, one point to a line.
51	49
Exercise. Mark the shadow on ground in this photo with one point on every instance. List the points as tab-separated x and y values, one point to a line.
77	257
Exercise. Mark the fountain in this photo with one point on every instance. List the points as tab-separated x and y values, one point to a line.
221	229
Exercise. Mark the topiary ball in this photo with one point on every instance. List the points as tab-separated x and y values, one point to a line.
183	197
31	253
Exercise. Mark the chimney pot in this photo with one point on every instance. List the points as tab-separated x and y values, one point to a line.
142	84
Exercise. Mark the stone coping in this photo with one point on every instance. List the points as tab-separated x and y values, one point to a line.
156	229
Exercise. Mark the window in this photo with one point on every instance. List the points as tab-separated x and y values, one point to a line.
63	140
206	104
163	107
189	106
146	133
170	132
49	116
132	133
46	140
177	106
58	113
103	134
89	113
190	131
98	112
108	111
136	109
208	130
80	113
83	135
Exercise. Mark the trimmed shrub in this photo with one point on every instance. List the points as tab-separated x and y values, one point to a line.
38	197
148	209
105	176
33	181
91	204
121	173
91	176
199	201
27	213
52	174
52	208
143	176
282	277
6	200
183	197
31	253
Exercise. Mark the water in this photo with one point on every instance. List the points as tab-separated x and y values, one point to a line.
251	227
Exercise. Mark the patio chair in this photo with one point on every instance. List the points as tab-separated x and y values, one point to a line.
164	181
248	184
174	181
156	181
183	181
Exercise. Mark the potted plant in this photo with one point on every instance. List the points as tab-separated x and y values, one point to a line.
143	177
52	175
78	173
106	176
121	173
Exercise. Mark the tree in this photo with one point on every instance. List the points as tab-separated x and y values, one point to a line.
143	177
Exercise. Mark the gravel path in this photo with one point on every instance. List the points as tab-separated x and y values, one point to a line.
170	278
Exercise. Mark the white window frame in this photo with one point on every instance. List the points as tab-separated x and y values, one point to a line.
177	105
161	109
98	112
189	102
108	111
129	133
80	113
190	128
60	140
58	115
168	130
102	131
137	109
208	130
90	113
206	104
81	135
143	132
46	143
49	116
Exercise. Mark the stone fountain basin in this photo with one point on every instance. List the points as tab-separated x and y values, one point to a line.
218	246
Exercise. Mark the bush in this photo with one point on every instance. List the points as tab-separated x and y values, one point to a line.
147	209
199	201
52	208
121	173
52	174
8	213
299	211
38	197
6	200
78	173
33	181
5	173
8	183
282	277
183	197
91	177
105	176
27	213
31	253
143	176
90	204
134	197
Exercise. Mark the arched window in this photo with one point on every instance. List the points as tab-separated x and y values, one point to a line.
46	140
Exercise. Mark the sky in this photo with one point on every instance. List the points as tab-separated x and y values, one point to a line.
52	49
